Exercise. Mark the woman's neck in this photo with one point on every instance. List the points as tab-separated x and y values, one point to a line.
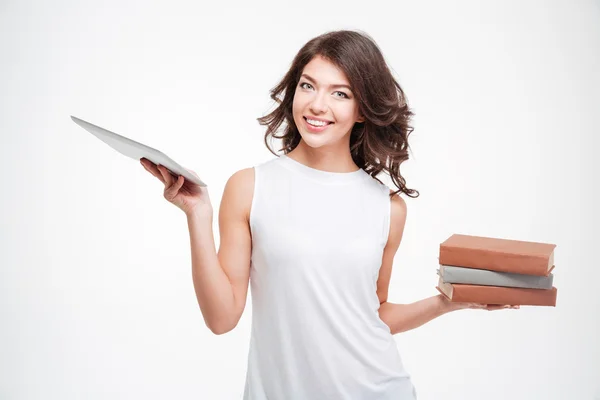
323	159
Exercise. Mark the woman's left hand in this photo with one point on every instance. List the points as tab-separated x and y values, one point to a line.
452	306
489	307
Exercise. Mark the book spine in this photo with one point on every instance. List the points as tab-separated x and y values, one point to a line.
504	295
494	260
473	276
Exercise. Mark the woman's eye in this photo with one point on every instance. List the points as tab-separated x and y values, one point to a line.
306	83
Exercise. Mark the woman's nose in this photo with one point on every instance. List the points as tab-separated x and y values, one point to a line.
319	104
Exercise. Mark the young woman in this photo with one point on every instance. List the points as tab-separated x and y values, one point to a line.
315	233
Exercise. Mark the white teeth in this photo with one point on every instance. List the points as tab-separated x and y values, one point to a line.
317	123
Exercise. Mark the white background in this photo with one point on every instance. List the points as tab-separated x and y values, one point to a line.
96	295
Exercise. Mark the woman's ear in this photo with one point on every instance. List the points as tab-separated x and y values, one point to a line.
360	119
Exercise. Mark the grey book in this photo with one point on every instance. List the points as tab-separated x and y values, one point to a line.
473	276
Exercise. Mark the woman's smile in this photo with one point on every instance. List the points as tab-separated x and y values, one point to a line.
318	127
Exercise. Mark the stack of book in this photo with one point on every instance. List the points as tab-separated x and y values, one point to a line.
486	270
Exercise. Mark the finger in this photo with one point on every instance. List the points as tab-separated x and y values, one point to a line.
151	167
501	307
179	182
173	190
477	305
168	179
147	163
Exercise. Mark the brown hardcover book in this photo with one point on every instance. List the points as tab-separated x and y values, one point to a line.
494	254
497	294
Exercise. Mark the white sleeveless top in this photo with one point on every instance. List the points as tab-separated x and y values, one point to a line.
317	246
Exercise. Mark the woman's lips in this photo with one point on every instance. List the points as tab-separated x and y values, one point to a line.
315	129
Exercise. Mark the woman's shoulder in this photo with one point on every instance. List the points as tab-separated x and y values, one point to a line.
239	190
240	179
243	181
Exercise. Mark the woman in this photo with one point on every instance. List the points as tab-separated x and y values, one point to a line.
315	233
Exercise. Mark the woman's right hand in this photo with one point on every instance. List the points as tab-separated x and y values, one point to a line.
186	195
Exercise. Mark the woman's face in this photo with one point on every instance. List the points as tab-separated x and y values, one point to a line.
319	96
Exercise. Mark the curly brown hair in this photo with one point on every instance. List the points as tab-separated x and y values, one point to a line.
380	143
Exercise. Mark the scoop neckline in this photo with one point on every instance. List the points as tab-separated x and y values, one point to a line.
320	175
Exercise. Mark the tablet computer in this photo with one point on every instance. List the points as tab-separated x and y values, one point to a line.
137	150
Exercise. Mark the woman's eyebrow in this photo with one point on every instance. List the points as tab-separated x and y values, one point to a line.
331	86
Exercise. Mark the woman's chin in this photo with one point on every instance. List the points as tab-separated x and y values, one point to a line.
310	142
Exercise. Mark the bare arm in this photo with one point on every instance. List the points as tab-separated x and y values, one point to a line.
404	317
221	280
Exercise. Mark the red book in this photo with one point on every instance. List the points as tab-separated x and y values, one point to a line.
497	294
494	254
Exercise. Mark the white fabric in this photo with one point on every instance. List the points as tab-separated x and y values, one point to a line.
317	246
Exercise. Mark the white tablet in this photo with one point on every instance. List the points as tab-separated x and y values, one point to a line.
136	150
